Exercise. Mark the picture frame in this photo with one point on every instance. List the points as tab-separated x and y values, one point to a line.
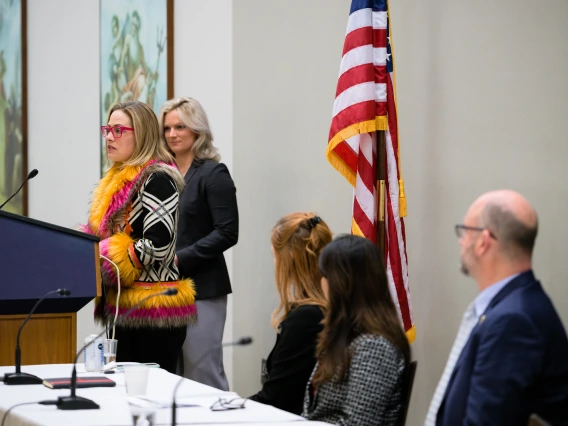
136	55
13	105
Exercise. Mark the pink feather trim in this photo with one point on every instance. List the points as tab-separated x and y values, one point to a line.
158	312
86	229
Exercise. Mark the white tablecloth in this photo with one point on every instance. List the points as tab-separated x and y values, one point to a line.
115	410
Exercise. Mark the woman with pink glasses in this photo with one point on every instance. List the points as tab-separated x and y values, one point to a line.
134	211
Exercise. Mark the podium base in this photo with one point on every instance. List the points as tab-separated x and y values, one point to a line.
21	379
76	403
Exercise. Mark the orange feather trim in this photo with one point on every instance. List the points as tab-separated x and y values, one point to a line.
112	182
132	295
118	248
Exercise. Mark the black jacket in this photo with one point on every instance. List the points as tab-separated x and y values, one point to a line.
208	225
292	360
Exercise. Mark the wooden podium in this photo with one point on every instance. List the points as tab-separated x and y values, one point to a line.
35	258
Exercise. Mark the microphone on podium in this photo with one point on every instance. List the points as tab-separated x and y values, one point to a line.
19	378
243	341
74	402
31	175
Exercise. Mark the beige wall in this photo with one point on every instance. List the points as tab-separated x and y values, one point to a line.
63	116
482	94
285	69
483	98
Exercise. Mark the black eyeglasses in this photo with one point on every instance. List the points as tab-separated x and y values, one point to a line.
231	404
460	230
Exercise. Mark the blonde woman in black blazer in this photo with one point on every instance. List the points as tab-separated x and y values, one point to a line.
208	225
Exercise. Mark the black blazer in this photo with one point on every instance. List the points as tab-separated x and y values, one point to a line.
292	360
208	225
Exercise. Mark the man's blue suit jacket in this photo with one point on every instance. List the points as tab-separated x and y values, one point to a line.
515	363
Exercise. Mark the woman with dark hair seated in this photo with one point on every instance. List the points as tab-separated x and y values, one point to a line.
297	240
362	351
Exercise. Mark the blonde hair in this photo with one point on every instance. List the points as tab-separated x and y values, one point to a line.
192	115
148	145
297	240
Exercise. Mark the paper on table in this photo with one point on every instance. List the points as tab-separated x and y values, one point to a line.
254	412
120	366
144	402
189	401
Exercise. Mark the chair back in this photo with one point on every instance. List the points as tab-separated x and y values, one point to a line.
536	420
407	383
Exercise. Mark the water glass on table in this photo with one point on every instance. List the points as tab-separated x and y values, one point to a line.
136	379
110	347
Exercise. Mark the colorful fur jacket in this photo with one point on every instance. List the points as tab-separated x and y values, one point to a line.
134	212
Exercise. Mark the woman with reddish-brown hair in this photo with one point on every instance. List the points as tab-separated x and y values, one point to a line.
362	352
297	240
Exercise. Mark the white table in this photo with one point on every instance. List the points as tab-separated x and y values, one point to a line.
115	410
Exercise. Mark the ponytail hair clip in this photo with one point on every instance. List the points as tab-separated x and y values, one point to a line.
313	221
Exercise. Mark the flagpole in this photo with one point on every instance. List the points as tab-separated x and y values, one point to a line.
380	181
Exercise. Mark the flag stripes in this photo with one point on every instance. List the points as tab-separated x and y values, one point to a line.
365	103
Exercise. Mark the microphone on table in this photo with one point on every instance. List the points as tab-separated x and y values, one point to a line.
19	378
74	402
243	341
31	175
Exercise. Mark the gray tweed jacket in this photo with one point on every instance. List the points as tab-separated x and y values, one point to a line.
370	392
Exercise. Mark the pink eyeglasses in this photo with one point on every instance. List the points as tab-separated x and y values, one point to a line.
115	130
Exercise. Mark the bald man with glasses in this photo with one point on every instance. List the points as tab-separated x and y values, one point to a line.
510	357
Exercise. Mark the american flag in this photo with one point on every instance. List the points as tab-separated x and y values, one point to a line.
365	103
